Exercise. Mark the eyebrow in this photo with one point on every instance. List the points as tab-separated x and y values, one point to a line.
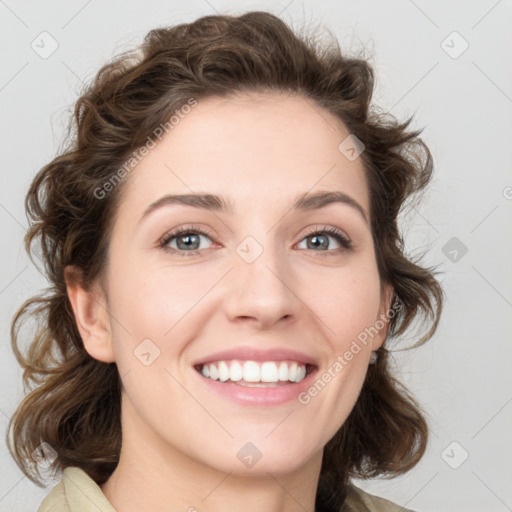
212	202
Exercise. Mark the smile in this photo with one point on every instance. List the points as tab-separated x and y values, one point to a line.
255	373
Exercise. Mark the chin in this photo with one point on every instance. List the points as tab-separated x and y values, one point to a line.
249	459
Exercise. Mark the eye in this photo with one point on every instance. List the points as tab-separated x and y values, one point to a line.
184	241
318	238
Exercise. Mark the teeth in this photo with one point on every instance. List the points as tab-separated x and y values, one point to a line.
214	373
292	372
254	372
236	372
223	371
283	371
251	371
269	372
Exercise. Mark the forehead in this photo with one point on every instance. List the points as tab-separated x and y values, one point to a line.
253	149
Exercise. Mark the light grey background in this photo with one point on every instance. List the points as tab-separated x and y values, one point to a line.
462	376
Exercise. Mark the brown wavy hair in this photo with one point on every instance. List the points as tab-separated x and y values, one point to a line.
74	400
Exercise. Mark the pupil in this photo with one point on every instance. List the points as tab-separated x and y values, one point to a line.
322	244
190	239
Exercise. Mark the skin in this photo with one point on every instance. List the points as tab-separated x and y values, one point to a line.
180	440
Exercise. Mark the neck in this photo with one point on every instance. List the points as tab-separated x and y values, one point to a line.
154	476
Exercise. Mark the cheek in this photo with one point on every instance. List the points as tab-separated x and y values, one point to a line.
162	305
150	300
347	303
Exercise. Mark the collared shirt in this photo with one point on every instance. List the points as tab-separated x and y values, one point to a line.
78	492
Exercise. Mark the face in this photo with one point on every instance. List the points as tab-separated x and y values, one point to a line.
262	290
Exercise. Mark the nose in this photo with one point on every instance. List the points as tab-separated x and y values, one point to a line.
261	291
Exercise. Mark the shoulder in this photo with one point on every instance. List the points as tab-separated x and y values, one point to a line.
76	492
55	501
358	500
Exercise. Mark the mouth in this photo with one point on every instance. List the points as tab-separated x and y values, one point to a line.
250	376
261	374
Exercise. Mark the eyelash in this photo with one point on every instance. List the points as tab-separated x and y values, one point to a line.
334	232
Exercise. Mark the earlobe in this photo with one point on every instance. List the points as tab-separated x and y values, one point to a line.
90	309
383	317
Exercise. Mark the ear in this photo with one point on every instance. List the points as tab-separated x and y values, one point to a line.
383	316
92	318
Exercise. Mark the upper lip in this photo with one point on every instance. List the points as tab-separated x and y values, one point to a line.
258	354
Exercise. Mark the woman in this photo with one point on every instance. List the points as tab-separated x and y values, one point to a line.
226	275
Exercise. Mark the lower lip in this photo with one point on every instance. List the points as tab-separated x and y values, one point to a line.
259	396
